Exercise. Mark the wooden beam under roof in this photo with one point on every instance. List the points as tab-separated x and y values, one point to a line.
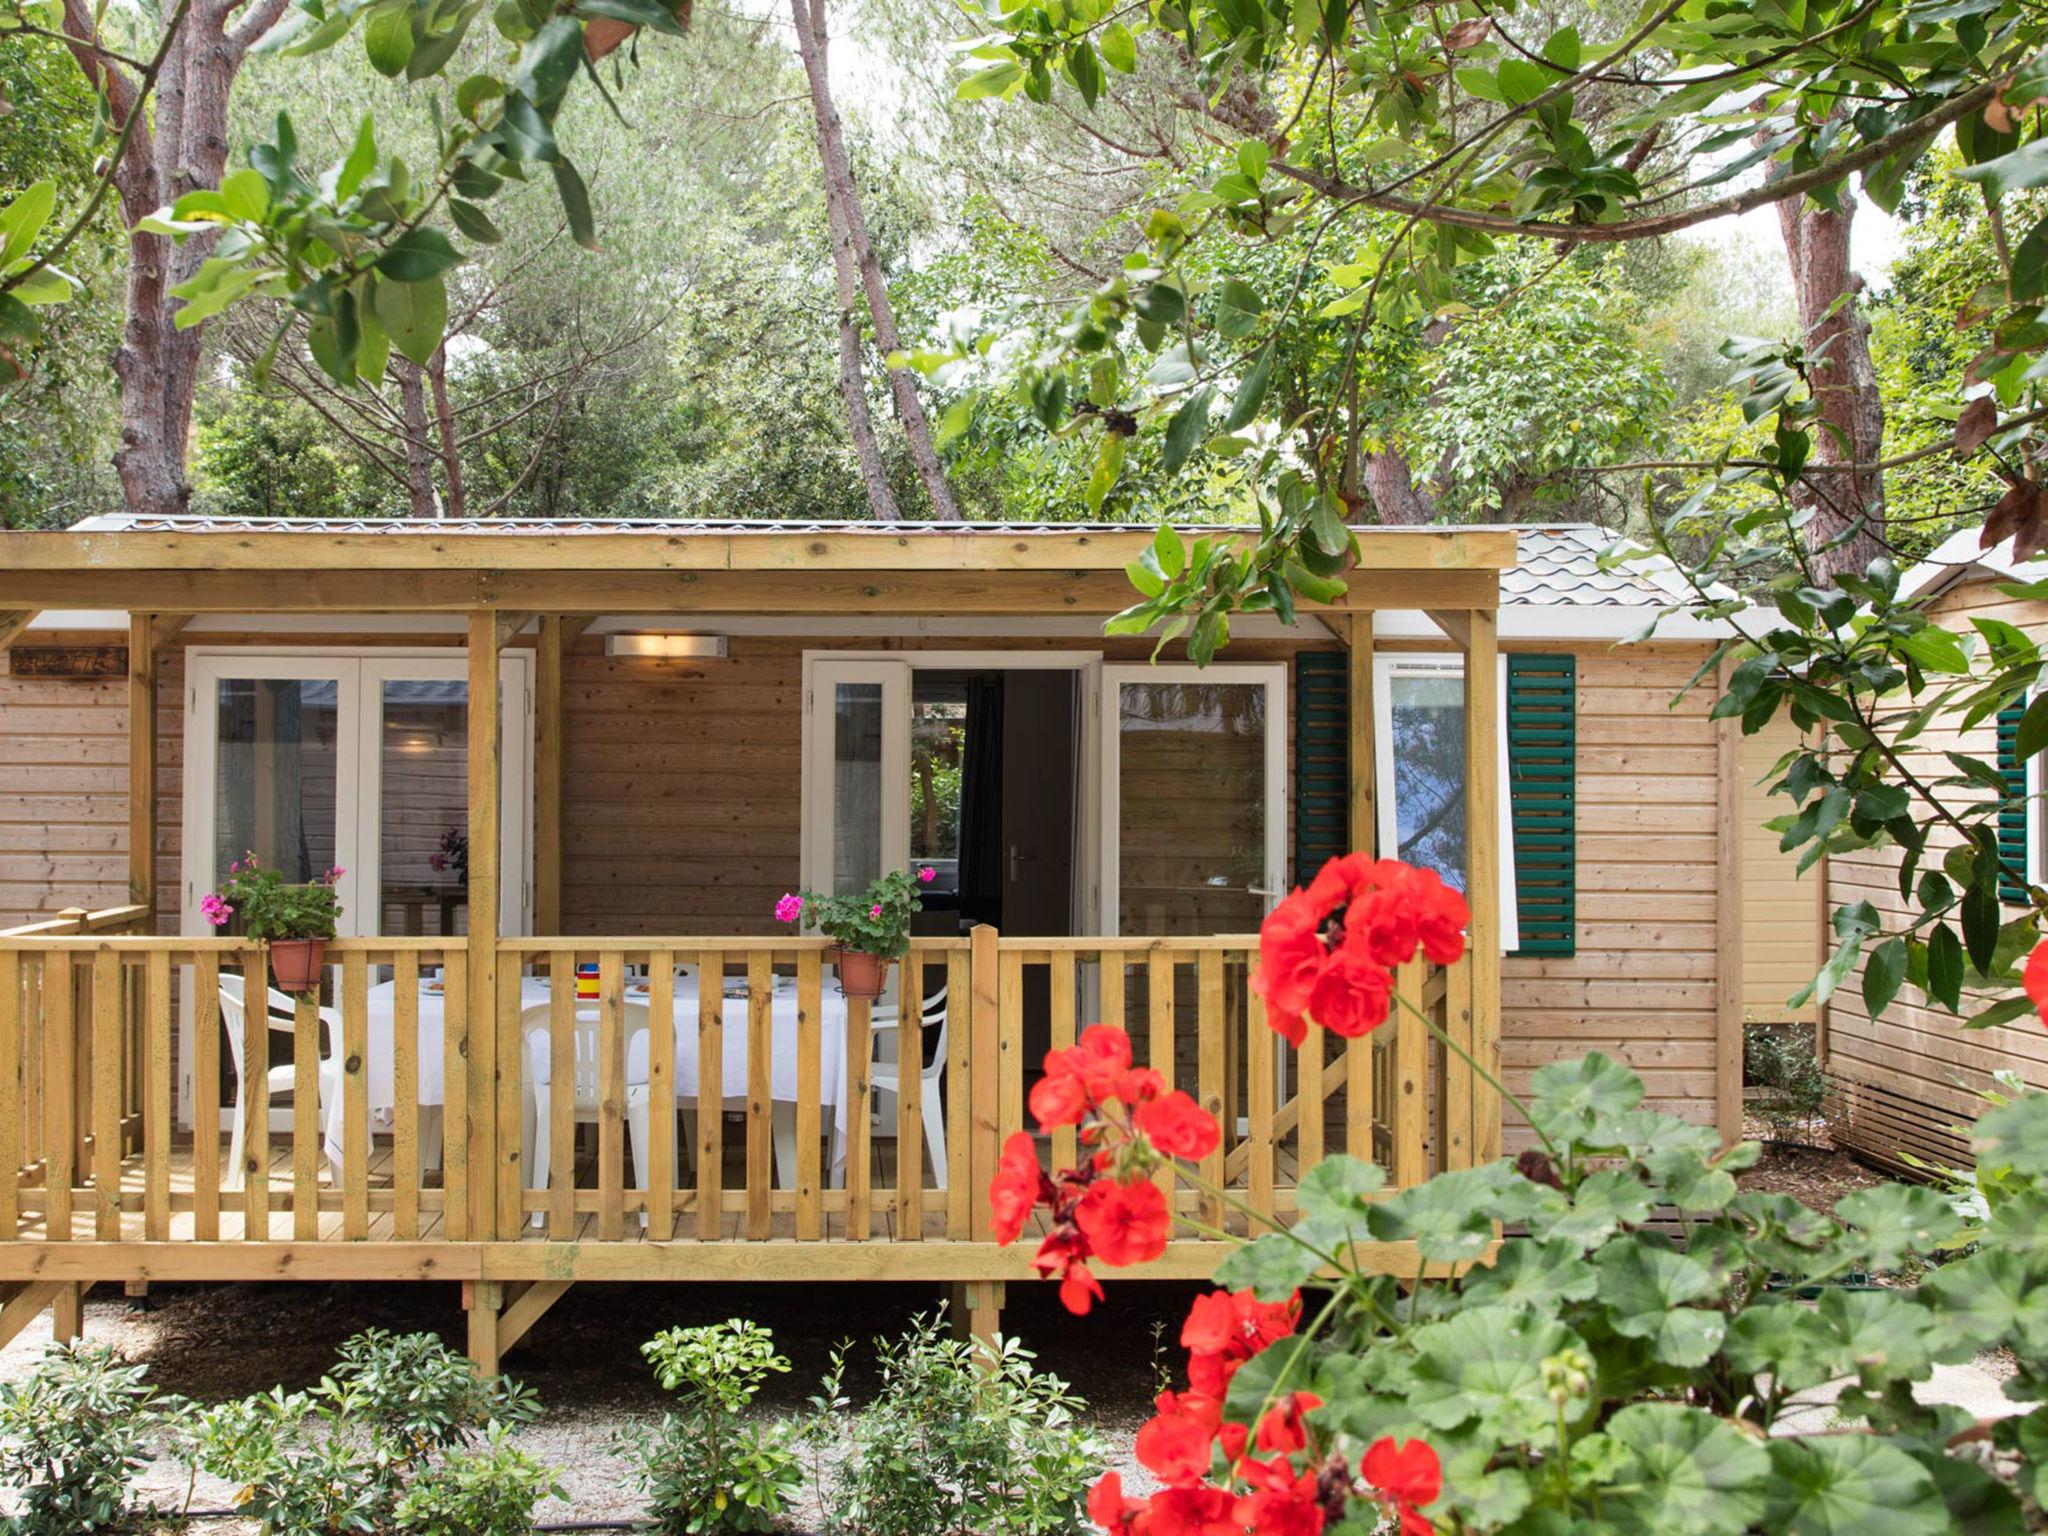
12	623
781	593
850	549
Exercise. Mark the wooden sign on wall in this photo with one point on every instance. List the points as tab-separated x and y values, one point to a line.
73	662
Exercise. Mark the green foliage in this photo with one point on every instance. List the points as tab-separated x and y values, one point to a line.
1606	1375
73	1433
256	455
1780	1060
875	921
961	1438
708	1467
401	1415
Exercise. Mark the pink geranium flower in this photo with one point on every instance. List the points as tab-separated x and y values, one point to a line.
215	910
789	908
875	910
927	874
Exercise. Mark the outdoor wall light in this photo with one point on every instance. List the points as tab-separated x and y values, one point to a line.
671	646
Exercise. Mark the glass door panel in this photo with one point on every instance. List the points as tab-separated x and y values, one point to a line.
1193	780
277	767
423	814
857	746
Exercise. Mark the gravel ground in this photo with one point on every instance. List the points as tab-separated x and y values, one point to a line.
221	1342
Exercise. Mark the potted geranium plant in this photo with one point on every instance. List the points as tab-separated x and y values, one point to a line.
870	929
295	921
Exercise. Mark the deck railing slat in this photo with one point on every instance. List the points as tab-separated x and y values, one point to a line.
710	1094
306	1129
13	1155
860	1055
959	1127
1210	1053
909	1091
405	1096
155	1104
760	1086
661	1094
1411	1077
1159	1036
355	1097
454	1098
611	1097
1060	996
561	1106
810	1006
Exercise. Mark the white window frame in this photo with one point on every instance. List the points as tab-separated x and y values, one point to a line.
1441	664
1273	678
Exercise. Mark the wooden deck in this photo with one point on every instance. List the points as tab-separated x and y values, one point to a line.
109	1184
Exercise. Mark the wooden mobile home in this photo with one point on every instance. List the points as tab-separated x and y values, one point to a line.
541	749
1911	1078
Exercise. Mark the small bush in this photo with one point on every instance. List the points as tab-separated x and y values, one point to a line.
401	1415
72	1438
708	1467
490	1490
961	1439
1792	1087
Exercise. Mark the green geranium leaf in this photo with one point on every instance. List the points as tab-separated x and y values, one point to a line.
1532	1274
1684	1471
1603	1202
1980	1504
1892	1221
2019	1225
1273	1267
1646	1285
1339	1189
2016	1135
1783	1340
1991	1298
1449	1218
1880	1335
1485	1364
1577	1100
1851	1485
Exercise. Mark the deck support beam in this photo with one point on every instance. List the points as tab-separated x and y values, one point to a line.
547	776
487	634
1358	680
12	622
481	1299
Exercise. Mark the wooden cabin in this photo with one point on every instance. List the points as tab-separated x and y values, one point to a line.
1912	1081
545	750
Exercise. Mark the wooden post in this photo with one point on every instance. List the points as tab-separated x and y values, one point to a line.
984	1312
67	1313
1358	676
481	1021
985	1027
142	759
547	777
1728	960
1482	872
482	1300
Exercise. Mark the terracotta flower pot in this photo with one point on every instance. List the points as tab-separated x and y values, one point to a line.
295	964
861	974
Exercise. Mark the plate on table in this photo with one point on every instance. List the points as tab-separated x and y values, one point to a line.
434	987
637	989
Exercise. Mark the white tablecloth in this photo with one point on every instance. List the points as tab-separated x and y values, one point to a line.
535	1006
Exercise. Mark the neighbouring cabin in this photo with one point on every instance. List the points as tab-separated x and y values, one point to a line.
1911	1082
691	719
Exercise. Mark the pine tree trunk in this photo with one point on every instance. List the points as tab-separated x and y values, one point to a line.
853	386
1845	386
811	39
444	419
1392	487
419	452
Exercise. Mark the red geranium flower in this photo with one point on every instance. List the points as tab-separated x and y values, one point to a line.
1058	1098
1280	1502
1179	1127
1108	1507
1174	1444
1224	1329
1197	1509
1079	1290
1409	1475
2035	979
1016	1188
1282	1432
1124	1223
1353	994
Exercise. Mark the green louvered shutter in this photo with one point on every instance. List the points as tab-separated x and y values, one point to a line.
2012	819
1543	798
1322	760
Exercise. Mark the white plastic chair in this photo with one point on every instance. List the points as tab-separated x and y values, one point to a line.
883	1078
536	1116
282	1012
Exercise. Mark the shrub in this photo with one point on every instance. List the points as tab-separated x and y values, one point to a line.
961	1438
72	1437
1780	1062
400	1414
490	1490
706	1466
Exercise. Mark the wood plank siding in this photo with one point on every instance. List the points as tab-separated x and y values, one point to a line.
1910	1076
1781	912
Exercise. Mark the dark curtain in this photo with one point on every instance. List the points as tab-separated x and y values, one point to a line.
981	802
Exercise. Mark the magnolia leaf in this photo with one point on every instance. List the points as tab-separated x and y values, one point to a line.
1109	463
1975	426
387	39
417	255
1184	429
413	315
1251	394
1118	48
1238	307
1684	1470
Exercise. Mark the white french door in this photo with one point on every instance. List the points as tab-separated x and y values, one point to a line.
1194	797
319	759
856	756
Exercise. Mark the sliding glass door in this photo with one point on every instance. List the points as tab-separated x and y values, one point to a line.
856	773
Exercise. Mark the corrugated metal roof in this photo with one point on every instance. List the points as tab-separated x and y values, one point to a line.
1559	565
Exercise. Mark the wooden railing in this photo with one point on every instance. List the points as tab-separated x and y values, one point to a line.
753	1117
